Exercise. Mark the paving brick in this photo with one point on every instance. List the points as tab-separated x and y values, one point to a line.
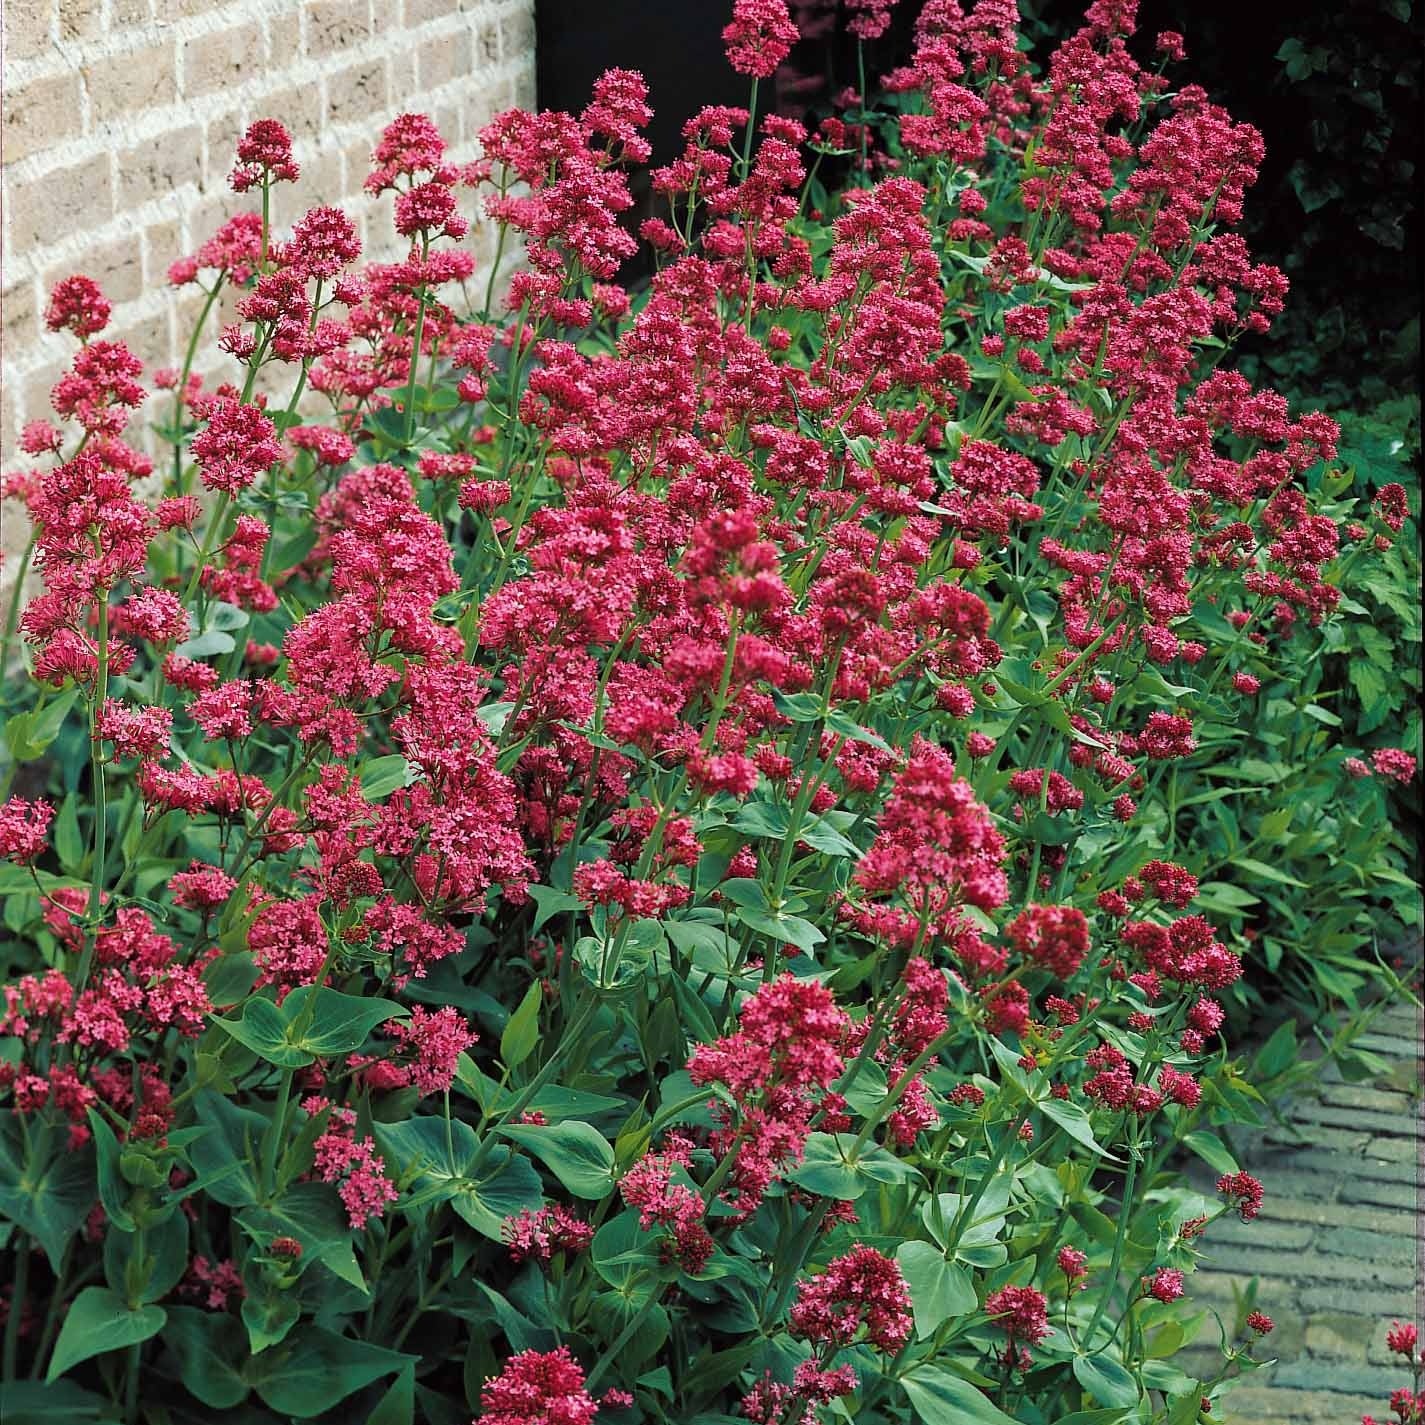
1332	1377
1262	1405
1284	1236
1357	1119
1354	1241
1381	1193
1372	1099
1340	1335
1391	1302
1315	1267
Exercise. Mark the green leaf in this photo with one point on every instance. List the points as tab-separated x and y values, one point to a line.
940	1398
825	1171
339	1023
789	929
1072	1118
1208	1147
48	1194
398	1405
224	1155
313	1369
99	1320
1107	1380
206	645
28	735
550	903
311	1214
384	775
313	1022
263	1029
68	843
113	1190
576	1153
627	1257
209	1355
1269	873
940	1290
269	1314
34	1402
507	1183
522	1032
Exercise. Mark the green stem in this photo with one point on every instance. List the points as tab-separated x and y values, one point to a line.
1121	1237
19	1288
180	399
101	808
12	614
416	353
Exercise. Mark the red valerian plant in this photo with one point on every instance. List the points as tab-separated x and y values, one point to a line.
637	854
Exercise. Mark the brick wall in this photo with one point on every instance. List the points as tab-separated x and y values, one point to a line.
120	119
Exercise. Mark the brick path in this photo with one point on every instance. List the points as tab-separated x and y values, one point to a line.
1339	1247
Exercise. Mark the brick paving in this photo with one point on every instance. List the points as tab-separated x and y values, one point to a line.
1339	1248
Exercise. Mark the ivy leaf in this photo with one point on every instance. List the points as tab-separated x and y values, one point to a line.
98	1321
576	1153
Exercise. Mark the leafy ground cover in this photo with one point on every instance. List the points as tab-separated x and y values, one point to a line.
688	854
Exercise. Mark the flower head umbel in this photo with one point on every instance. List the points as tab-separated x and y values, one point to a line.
861	1295
538	1388
264	155
759	37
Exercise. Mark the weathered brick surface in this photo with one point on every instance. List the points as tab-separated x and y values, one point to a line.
1336	1248
119	123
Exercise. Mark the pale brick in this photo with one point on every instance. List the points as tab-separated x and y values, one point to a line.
299	106
130	12
162	244
35	391
336	25
29	29
159	165
284	40
40	113
116	266
221	59
63	201
441	60
19	316
78	19
487	44
358	90
517	32
419	12
131	82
